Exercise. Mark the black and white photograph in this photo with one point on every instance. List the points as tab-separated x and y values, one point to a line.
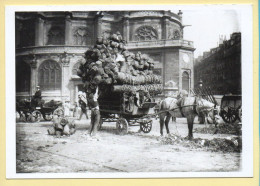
123	91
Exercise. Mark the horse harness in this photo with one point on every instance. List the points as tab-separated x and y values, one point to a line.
181	103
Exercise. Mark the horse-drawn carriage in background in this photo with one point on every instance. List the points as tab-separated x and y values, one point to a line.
29	111
230	106
126	109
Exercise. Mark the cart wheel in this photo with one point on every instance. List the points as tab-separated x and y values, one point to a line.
229	115
146	127
122	126
35	116
48	116
58	112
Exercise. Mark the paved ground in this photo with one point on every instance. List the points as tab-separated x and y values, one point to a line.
134	152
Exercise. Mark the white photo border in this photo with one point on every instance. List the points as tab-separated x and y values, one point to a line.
247	92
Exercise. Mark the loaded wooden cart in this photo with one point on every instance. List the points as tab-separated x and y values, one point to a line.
125	81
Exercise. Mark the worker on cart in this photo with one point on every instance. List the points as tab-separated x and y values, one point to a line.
95	113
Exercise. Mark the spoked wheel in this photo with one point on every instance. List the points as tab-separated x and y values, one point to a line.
146	126
122	126
229	115
58	112
48	116
35	116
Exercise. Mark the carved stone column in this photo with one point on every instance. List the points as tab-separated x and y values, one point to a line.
39	32
126	29
68	31
98	24
65	60
164	27
32	61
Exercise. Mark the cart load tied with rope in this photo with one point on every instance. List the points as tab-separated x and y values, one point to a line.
125	81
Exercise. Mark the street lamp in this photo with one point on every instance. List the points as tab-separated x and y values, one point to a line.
200	83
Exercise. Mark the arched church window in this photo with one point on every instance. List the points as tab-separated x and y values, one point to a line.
56	36
49	75
23	76
185	81
146	33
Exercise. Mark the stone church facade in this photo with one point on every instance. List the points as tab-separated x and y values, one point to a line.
51	45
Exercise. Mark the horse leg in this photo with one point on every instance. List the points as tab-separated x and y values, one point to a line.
162	116
168	118
206	120
190	121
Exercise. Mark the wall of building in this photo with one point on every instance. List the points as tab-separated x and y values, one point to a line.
64	37
220	69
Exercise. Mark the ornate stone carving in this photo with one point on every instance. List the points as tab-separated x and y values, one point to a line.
65	59
82	36
146	33
56	36
174	34
31	59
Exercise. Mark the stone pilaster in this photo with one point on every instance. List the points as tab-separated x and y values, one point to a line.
164	27
98	25
126	29
32	60
68	31
39	32
65	60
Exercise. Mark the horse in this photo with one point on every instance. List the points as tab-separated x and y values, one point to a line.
188	107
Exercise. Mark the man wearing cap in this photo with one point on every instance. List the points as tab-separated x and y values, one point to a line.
37	96
95	113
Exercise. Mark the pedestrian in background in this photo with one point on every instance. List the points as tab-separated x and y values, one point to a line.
83	106
67	108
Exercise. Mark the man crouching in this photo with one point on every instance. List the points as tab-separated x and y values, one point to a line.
62	126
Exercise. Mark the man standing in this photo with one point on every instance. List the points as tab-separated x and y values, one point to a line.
95	113
83	106
37	96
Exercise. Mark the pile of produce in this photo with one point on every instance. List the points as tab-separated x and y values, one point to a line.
229	144
223	128
109	64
